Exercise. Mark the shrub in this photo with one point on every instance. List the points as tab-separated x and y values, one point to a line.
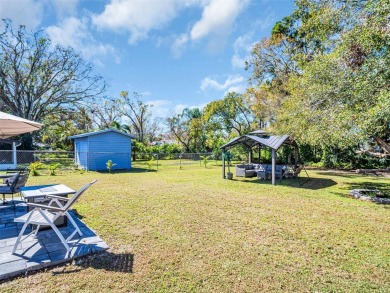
110	164
150	163
34	167
205	160
53	168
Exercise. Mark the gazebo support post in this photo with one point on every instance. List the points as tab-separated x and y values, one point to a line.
250	156
273	166
223	164
296	155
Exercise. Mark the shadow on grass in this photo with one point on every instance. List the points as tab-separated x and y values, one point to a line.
77	214
121	262
300	182
108	261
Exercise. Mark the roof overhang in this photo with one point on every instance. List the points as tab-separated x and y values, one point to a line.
100	132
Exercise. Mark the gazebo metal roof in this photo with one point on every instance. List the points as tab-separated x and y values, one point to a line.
249	141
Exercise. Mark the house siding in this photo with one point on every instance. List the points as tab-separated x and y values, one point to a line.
81	152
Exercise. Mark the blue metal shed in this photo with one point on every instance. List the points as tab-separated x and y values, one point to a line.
94	149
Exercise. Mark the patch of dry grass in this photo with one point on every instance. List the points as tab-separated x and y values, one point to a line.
189	230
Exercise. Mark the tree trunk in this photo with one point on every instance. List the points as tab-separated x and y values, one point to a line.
385	146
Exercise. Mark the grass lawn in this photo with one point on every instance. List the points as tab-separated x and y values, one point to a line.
189	230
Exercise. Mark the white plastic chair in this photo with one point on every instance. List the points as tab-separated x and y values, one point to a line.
43	215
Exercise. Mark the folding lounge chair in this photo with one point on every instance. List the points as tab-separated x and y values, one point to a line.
43	215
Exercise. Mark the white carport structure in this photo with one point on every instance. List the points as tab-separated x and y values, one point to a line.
261	139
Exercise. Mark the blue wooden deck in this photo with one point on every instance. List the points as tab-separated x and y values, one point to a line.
44	250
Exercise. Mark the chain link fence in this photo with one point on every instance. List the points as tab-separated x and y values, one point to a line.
25	158
174	160
6	157
66	160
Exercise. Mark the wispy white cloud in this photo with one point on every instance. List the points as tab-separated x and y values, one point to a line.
145	94
217	17
215	24
65	8
242	46
167	108
179	45
179	108
231	81
160	108
266	23
139	18
240	88
75	32
136	17
27	12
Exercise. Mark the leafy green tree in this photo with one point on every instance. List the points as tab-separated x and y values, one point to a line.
188	129
58	127
323	76
342	97
229	114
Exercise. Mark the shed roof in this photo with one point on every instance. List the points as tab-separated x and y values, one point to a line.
101	132
271	141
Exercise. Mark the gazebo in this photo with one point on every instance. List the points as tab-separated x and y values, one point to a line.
261	139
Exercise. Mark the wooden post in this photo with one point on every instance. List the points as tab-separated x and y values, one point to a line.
250	156
273	166
223	164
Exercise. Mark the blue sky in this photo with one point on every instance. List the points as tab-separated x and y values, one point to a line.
176	53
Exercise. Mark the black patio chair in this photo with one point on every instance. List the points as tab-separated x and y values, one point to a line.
14	184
